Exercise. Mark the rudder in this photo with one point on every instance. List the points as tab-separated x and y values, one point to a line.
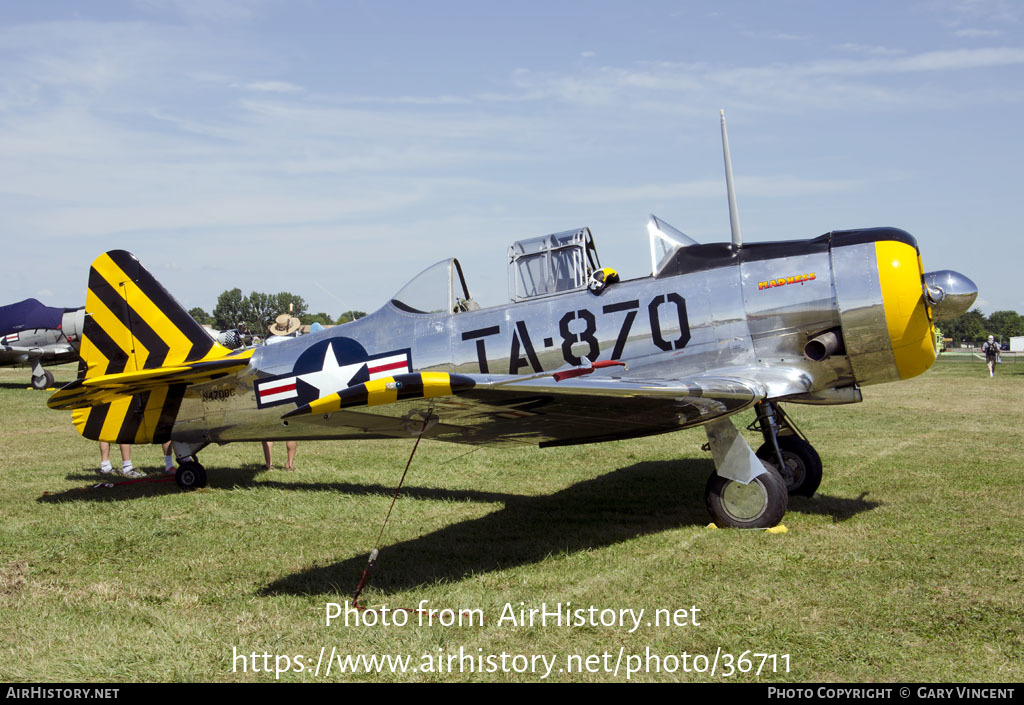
132	323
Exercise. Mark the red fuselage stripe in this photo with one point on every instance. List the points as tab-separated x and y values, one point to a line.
384	368
267	391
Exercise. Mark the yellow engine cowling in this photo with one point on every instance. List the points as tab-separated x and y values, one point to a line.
886	323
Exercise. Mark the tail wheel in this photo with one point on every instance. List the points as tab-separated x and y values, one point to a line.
190	475
802	471
44	381
761	504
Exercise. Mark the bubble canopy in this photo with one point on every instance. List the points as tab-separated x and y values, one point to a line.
538	267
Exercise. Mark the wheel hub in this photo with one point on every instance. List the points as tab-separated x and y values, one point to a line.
793	471
744	502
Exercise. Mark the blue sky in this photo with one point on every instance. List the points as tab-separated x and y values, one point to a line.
335	149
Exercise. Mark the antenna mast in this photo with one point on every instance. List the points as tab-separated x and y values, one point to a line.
734	214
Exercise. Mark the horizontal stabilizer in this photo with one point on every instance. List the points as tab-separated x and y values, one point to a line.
100	390
140	351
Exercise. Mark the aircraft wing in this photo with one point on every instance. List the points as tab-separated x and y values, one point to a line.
13	355
489	409
104	389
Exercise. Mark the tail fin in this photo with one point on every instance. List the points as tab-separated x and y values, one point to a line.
132	324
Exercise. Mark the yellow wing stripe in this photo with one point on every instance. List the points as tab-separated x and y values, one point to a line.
377	391
386	390
325	405
436	384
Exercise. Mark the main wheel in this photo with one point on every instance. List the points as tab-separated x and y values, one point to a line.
190	475
44	381
758	505
802	471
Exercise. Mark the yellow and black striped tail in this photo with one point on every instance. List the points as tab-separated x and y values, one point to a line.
144	417
132	324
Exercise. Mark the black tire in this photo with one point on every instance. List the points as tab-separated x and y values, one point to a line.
190	476
759	505
802	473
43	382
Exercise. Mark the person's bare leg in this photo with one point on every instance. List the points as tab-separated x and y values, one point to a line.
105	467
292	446
168	459
268	452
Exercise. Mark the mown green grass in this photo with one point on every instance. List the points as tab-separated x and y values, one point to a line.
905	566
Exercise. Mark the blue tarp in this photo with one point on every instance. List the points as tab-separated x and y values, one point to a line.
28	314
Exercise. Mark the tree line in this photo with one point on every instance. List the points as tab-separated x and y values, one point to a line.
974	326
258	310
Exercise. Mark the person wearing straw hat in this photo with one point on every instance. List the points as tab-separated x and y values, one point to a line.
284	326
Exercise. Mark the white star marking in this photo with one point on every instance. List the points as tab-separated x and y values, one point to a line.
332	377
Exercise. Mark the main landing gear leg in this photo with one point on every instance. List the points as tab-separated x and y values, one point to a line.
744	492
786	449
41	379
190	475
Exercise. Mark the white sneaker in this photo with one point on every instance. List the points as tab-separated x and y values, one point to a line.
108	470
130	472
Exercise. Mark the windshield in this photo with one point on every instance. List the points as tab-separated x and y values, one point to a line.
440	288
665	242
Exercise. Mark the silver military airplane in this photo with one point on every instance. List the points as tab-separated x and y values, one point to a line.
34	335
575	357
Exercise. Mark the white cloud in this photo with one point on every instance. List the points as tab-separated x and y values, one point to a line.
206	10
958	12
779	36
951	60
778	86
408	100
769	187
870	50
272	87
974	33
178	138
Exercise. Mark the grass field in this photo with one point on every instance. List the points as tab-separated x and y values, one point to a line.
906	566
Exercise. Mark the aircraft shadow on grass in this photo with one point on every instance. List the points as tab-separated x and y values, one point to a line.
633	501
244	478
154	485
641	499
